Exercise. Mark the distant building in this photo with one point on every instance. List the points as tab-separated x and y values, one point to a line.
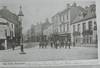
28	36
48	31
38	31
40	28
45	24
84	27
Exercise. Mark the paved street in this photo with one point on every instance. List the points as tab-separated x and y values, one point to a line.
40	54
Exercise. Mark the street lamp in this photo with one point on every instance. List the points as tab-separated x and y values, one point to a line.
20	15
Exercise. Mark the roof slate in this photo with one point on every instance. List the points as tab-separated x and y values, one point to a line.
89	15
8	15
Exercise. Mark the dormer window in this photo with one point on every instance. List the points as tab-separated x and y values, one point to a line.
81	13
84	14
93	11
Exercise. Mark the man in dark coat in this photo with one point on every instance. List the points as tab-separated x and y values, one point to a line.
69	44
13	45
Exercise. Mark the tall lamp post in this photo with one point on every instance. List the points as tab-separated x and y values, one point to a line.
20	15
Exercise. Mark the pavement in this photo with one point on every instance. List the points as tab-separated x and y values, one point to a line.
46	54
37	55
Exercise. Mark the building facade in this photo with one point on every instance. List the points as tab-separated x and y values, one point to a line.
38	31
7	32
62	21
84	28
12	31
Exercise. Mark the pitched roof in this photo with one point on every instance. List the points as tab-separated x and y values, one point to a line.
90	14
8	15
75	11
82	9
64	11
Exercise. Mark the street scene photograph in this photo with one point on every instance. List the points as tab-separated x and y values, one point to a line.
48	30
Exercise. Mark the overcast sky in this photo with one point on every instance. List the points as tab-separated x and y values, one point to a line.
38	10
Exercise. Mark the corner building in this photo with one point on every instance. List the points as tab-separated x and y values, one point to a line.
84	28
63	20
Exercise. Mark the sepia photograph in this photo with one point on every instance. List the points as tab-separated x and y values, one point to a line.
48	30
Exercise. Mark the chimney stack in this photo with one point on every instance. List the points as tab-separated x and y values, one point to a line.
68	5
4	7
74	4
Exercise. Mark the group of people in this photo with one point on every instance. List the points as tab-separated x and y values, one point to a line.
55	44
43	44
60	44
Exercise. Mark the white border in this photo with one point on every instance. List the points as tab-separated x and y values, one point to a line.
66	62
49	63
